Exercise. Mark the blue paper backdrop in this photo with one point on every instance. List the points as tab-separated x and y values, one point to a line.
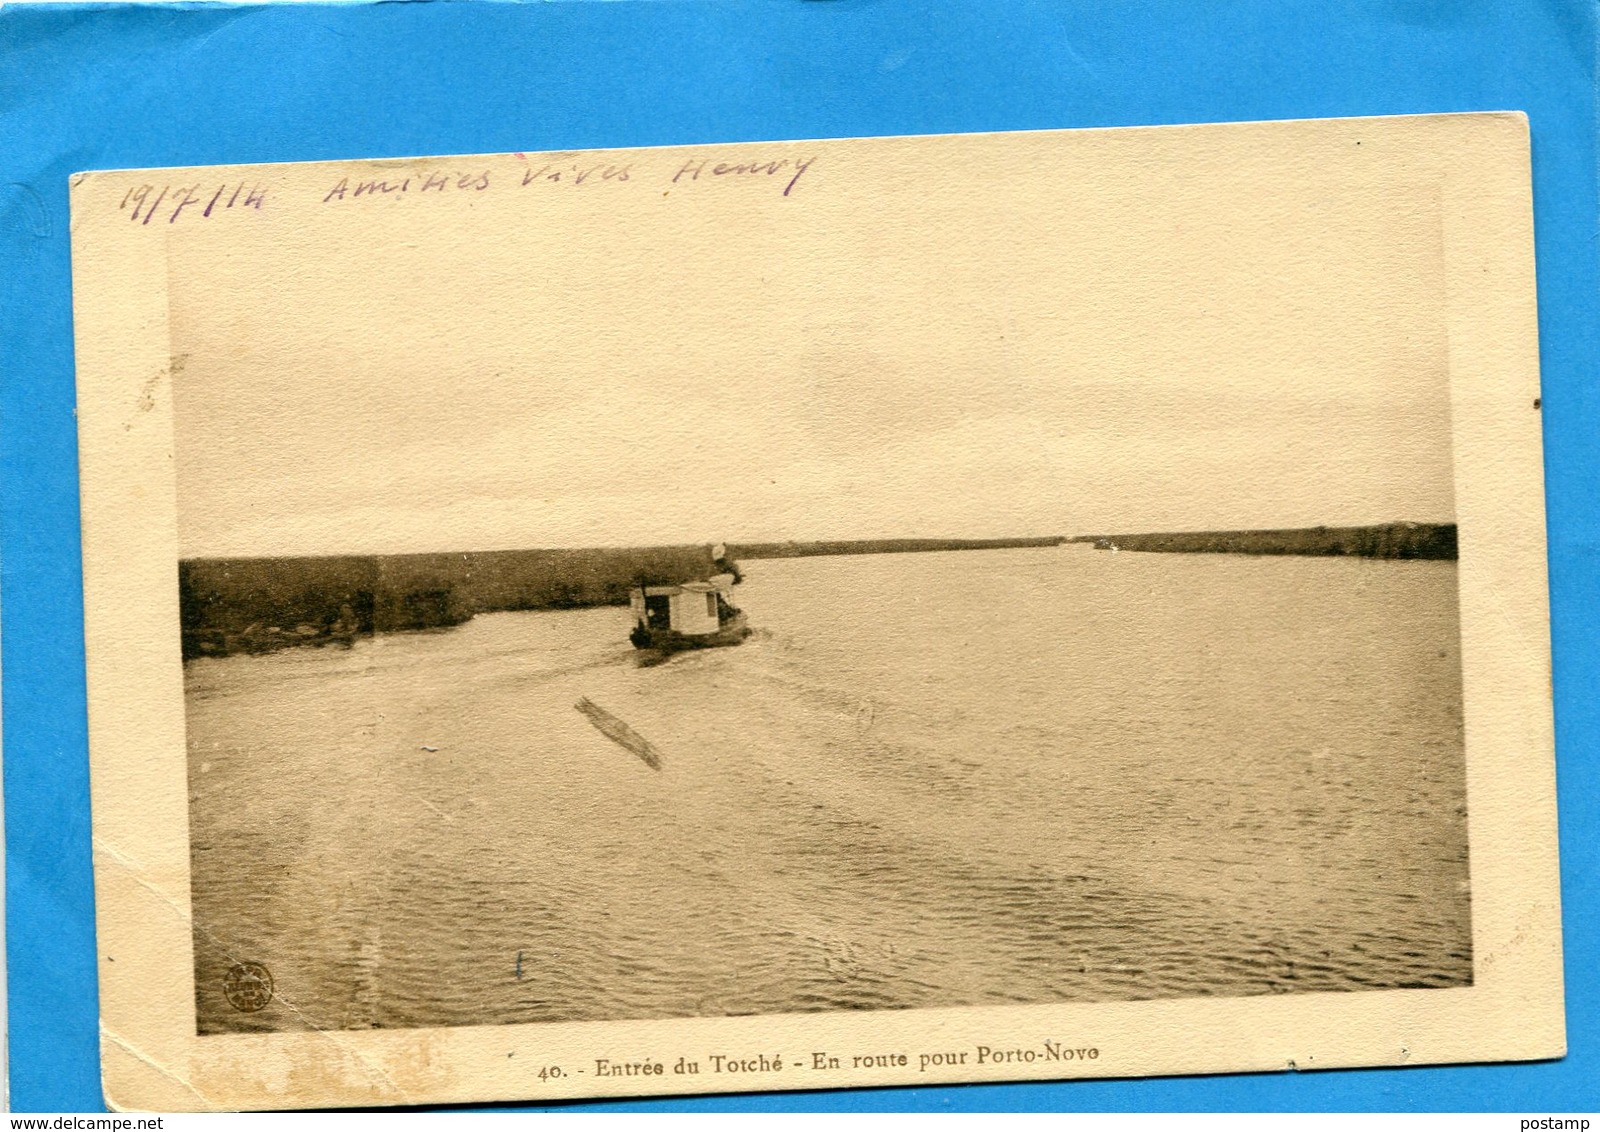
92	86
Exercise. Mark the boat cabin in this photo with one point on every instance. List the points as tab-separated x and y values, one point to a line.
691	608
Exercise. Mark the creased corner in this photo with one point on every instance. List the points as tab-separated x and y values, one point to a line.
107	1034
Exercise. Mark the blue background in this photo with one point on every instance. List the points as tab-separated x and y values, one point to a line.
89	86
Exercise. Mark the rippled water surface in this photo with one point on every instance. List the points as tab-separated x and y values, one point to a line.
928	780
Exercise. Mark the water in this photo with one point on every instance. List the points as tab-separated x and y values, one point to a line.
962	778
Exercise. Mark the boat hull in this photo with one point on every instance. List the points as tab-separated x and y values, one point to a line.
664	642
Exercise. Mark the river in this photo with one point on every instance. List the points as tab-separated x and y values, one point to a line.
960	778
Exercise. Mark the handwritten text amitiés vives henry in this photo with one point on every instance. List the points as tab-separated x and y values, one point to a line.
780	173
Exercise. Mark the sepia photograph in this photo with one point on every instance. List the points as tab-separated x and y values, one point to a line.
679	623
849	578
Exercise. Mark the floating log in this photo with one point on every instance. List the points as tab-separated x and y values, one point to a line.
619	732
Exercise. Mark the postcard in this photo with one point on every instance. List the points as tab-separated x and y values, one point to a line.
811	614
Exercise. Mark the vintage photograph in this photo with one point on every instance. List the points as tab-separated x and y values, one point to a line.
817	613
935	591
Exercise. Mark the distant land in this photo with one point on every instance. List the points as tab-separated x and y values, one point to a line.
1386	540
880	546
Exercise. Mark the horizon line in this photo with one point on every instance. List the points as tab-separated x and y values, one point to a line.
735	543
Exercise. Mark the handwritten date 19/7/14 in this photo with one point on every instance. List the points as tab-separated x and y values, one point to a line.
194	201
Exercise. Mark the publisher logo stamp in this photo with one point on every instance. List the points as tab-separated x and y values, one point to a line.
248	987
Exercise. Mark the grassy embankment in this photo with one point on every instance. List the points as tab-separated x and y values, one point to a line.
1387	540
230	605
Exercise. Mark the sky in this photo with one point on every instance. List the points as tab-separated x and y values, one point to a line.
981	336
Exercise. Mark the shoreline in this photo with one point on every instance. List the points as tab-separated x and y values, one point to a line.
259	605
